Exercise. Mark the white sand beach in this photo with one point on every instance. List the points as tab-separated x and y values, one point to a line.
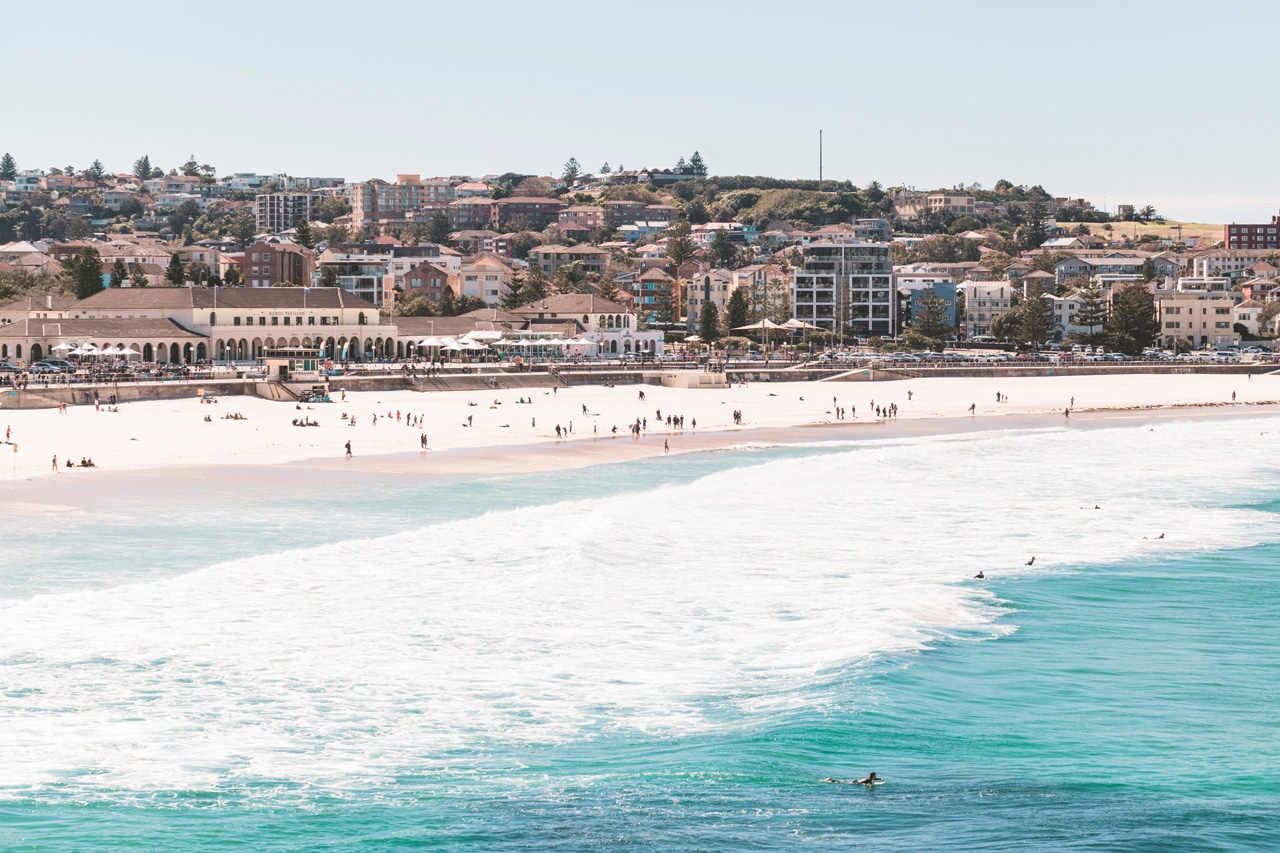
476	427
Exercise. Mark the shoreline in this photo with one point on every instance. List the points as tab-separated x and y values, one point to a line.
42	496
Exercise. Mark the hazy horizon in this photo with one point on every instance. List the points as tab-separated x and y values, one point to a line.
1116	105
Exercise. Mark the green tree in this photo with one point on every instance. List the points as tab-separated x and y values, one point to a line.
191	168
8	167
568	278
84	273
709	321
696	212
198	272
723	252
604	170
929	318
183	215
96	171
303	234
1132	324
698	165
139	279
680	246
1149	271
118	273
571	170
1092	313
328	276
232	278
1147	213
331	207
1035	315
1036	215
736	312
447	303
142	168
175	274
1267	315
438	229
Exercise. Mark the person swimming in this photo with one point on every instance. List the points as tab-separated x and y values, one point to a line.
1031	562
980	575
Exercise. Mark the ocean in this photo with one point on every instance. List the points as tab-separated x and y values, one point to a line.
665	655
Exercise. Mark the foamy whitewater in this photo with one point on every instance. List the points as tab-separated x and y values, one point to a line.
638	610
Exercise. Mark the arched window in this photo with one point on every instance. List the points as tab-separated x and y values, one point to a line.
586	320
213	318
361	318
18	349
4	350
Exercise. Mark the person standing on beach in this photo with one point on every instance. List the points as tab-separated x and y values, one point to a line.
55	463
348	449
972	408
666	448
1066	413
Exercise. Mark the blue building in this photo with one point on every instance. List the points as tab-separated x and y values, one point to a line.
913	289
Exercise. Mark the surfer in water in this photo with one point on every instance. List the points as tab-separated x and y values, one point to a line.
980	575
873	779
1031	562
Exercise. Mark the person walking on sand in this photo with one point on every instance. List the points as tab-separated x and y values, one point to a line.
1233	396
55	463
666	448
1066	413
973	407
348	449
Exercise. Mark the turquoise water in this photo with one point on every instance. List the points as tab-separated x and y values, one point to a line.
667	656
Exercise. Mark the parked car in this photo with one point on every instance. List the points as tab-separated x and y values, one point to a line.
9	367
44	367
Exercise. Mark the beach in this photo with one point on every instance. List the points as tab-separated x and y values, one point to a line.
515	431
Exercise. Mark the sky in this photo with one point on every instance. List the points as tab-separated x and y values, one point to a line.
1169	104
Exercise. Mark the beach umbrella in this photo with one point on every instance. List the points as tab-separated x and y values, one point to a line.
795	323
129	352
63	347
757	326
454	346
431	342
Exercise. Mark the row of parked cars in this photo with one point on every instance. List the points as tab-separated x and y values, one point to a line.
49	365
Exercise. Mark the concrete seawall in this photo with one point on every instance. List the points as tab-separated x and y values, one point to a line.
46	397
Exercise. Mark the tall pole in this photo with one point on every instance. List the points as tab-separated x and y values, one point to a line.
819	160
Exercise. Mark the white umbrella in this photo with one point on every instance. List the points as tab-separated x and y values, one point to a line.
454	346
483	335
431	342
693	339
795	323
129	352
473	345
762	324
63	347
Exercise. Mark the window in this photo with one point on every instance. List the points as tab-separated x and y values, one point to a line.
235	321
262	321
311	321
275	321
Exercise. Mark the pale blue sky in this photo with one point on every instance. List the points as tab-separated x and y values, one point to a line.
1169	103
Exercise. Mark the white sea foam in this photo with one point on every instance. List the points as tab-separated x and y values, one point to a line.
673	610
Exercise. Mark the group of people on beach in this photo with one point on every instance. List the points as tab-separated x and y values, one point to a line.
85	461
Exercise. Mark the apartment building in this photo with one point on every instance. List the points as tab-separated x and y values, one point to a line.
1233	263
379	201
471	214
984	301
590	215
1200	317
552	258
913	205
1252	236
847	288
276	212
276	261
532	213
